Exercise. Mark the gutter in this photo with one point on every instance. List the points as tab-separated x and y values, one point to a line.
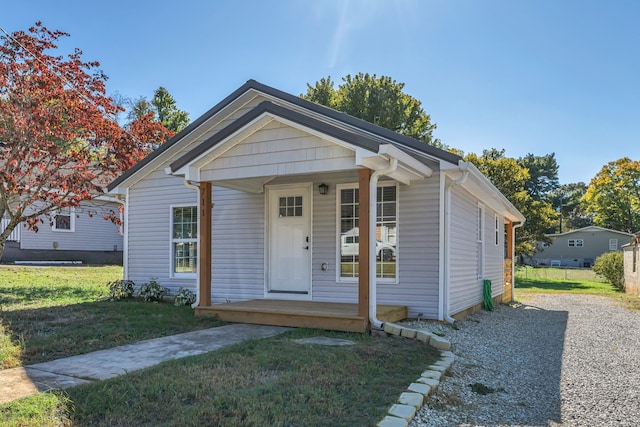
373	199
464	168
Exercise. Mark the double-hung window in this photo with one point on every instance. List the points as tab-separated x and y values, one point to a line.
386	231
184	240
64	220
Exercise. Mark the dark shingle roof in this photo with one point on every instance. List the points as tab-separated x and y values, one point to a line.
358	124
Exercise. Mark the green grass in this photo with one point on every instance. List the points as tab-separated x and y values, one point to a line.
549	280
50	409
51	312
271	382
55	312
531	281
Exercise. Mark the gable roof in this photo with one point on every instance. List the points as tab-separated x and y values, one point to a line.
590	228
358	131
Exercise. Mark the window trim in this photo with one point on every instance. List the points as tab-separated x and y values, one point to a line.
354	185
497	229
577	243
615	245
72	220
172	272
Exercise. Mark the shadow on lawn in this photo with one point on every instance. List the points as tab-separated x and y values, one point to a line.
560	285
57	331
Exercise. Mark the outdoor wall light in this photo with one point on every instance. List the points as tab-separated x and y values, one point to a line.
323	189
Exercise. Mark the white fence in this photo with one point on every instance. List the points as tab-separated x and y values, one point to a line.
15	234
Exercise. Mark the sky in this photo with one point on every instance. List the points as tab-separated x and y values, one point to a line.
526	76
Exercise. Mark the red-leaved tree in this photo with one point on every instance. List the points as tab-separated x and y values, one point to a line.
59	142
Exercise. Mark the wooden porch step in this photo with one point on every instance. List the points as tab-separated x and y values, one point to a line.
300	314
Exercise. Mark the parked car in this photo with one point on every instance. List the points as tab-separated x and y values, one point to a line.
350	246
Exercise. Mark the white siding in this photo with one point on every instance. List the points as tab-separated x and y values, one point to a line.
148	228
494	254
465	288
417	249
238	245
91	233
278	149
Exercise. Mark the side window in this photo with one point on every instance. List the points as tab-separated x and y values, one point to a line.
64	220
184	240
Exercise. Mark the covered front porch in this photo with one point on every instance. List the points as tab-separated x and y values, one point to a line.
303	314
296	270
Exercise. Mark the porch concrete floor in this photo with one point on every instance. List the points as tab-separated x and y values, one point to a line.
301	314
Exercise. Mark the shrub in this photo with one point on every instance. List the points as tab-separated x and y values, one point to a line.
152	291
120	289
184	297
611	267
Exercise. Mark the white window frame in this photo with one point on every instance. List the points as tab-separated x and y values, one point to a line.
72	220
172	272
497	229
339	188
613	244
575	243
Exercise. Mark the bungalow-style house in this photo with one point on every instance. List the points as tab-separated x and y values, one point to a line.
277	210
72	234
632	265
579	248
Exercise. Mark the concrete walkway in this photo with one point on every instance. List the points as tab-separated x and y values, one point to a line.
104	364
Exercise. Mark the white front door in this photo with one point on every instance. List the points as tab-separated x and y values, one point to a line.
289	242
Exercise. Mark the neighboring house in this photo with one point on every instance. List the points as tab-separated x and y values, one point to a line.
255	199
71	234
579	248
632	265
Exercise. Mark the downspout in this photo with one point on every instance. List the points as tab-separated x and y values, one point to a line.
373	199
464	168
189	185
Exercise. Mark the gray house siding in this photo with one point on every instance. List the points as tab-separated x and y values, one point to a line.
417	250
244	146
464	286
238	245
494	252
595	242
91	233
148	228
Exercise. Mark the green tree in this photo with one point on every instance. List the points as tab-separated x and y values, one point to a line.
543	175
613	196
511	178
162	108
566	200
169	115
378	100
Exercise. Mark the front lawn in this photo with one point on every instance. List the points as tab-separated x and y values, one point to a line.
51	312
530	280
274	382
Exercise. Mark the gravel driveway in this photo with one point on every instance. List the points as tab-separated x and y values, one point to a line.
555	360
